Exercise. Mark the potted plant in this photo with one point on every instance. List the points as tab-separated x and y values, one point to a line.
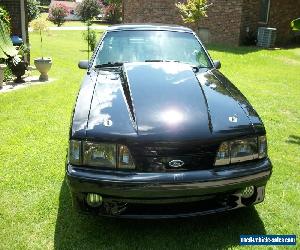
43	64
8	53
2	68
17	65
18	70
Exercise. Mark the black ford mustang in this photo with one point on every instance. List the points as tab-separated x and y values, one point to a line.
159	132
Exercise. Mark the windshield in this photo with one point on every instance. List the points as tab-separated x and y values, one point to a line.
141	46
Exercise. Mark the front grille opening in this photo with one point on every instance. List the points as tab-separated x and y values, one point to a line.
157	158
204	206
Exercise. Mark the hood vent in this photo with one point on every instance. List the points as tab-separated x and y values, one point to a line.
127	93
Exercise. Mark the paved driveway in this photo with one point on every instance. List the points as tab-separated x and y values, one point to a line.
98	27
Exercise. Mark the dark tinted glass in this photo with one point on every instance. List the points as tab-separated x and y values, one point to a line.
140	46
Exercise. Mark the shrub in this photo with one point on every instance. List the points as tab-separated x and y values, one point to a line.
44	9
8	75
57	14
33	9
89	9
45	2
295	24
113	10
91	37
193	10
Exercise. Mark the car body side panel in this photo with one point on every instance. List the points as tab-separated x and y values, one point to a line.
226	114
82	106
244	103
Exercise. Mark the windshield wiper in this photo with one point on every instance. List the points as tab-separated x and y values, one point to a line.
196	67
109	64
161	60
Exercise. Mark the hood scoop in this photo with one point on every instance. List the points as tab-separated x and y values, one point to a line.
166	99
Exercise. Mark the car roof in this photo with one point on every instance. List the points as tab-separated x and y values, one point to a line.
148	26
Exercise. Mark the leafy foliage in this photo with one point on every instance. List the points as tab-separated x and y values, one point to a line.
89	9
91	37
40	25
192	10
4	16
112	10
57	14
45	2
44	9
8	53
8	75
33	9
295	24
7	50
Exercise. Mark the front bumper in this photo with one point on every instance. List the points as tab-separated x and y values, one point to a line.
169	194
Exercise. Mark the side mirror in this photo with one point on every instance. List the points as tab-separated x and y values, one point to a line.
84	64
217	64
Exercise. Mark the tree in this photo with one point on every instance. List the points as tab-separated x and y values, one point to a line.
90	36
193	10
89	9
113	10
32	9
57	14
40	25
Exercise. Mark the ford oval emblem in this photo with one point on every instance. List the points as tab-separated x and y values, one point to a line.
176	163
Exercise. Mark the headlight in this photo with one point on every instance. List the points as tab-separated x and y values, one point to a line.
101	155
75	152
262	147
125	159
223	155
241	150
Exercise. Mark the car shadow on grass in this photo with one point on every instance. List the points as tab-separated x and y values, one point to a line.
221	231
294	139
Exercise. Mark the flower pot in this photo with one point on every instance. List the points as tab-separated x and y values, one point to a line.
19	70
2	67
43	65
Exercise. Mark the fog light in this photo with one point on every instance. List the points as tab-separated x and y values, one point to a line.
248	192
94	200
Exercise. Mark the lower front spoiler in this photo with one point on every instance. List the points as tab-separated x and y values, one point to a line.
209	205
168	195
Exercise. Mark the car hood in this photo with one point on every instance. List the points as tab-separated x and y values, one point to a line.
165	101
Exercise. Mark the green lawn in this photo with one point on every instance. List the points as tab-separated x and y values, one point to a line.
35	206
